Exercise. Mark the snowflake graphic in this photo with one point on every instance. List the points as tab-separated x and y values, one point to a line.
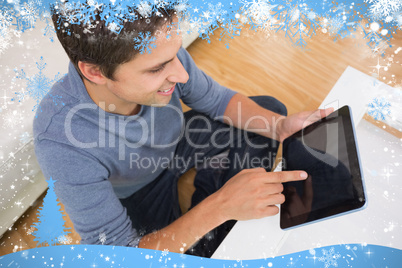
399	20
210	20
335	24
164	257
181	7
114	27
329	258
49	29
30	230
5	33
68	11
5	40
28	13
173	28
258	12
379	108
343	22
145	9
216	13
297	21
37	86
379	48
165	252
229	32
65	240
75	12
145	42
8	165
12	118
102	238
112	14
25	138
5	19
384	8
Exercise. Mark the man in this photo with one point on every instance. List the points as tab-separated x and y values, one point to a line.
120	141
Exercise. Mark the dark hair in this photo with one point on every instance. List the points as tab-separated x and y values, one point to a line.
91	39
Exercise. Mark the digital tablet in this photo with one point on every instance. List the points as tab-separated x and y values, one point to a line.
327	151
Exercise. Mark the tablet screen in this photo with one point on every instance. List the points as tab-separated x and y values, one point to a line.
326	150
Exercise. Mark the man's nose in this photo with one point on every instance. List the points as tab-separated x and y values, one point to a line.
178	73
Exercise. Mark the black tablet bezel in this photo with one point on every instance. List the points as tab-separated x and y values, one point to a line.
355	170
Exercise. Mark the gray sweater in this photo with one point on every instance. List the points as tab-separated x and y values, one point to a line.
94	156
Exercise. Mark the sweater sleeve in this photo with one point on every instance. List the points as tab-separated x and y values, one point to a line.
201	92
82	186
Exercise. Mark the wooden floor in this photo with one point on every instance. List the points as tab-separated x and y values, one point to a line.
301	79
258	64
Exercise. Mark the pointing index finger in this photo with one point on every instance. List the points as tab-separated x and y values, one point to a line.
285	176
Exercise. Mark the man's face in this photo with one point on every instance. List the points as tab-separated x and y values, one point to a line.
150	79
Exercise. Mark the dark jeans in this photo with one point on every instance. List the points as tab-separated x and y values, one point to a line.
156	205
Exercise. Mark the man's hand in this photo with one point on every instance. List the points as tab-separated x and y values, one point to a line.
296	122
244	113
251	194
254	193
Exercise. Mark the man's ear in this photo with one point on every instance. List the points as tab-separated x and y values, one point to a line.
92	72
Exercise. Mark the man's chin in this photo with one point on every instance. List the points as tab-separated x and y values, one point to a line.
161	103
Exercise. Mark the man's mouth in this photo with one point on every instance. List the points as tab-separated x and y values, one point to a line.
167	91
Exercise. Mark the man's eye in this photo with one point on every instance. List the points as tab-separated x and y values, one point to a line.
158	70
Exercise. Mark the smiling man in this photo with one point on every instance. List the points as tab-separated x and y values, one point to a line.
118	145
148	79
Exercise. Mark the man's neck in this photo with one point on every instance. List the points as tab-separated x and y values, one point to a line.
108	101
